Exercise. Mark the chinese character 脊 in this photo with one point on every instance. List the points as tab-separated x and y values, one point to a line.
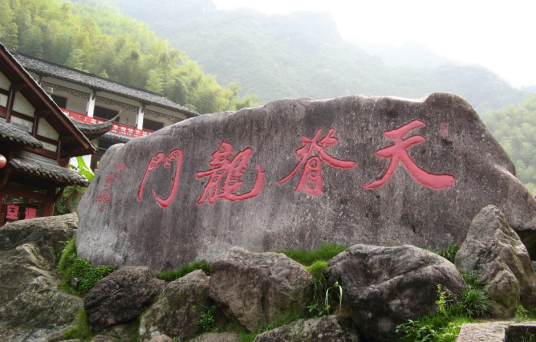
229	171
398	153
311	177
154	162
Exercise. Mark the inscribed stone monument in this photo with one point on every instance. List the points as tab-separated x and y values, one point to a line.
296	173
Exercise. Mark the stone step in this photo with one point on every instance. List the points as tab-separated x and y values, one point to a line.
497	332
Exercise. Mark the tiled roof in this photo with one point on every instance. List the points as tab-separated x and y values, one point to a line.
116	138
48	170
98	83
88	127
14	133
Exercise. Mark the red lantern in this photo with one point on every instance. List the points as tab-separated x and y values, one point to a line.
3	161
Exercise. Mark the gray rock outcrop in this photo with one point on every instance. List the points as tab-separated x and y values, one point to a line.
32	306
256	288
386	286
499	260
325	329
217	337
178	309
295	173
121	296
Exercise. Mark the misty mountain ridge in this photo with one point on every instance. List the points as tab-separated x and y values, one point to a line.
302	54
410	54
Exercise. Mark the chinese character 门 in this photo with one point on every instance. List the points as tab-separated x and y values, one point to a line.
154	162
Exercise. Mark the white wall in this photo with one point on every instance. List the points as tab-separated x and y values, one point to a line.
4	82
22	105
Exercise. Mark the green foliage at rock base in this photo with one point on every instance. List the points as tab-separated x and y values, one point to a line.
184	270
72	266
324	253
448	253
207	319
444	325
81	329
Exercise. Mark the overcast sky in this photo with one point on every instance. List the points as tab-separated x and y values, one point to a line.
499	35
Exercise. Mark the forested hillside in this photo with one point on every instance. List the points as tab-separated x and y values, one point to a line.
303	55
515	128
105	43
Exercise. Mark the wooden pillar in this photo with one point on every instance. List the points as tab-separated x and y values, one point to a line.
10	101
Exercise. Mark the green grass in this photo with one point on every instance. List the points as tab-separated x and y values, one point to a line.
81	329
72	266
448	253
324	253
184	270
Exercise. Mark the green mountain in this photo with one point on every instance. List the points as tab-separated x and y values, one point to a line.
515	129
303	55
103	42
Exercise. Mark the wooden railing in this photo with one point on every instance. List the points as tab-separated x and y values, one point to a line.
118	128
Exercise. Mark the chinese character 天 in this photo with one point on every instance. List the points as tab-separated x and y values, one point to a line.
397	153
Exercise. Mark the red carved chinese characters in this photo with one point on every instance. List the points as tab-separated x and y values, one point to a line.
12	212
154	162
105	195
398	153
229	172
30	213
311	178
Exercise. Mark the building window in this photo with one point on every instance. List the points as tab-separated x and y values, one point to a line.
105	113
152	125
60	101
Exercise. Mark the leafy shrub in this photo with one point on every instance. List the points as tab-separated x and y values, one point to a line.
184	270
207	320
72	266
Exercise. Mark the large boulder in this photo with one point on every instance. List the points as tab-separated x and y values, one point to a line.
325	329
257	288
295	173
178	309
33	307
121	296
386	286
495	255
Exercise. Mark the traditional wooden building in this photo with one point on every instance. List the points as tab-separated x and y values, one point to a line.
90	99
37	141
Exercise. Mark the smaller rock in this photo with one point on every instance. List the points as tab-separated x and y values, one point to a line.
386	286
325	329
525	331
257	288
74	282
493	252
178	309
121	296
106	338
162	338
489	332
217	337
